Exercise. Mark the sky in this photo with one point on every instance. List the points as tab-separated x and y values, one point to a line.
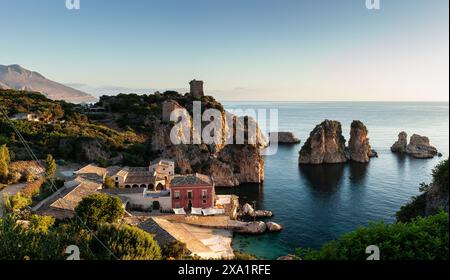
266	50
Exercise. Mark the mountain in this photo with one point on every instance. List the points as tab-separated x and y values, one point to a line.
16	77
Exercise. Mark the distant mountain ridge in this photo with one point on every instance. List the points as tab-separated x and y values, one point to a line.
16	77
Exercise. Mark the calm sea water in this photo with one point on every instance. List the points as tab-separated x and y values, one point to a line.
316	204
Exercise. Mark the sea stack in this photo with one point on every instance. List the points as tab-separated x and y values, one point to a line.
400	145
359	149
284	137
324	145
419	147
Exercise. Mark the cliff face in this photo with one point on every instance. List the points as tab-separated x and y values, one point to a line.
324	145
359	149
229	164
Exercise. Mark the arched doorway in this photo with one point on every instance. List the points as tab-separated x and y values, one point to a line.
135	186
159	187
151	187
143	186
127	186
155	205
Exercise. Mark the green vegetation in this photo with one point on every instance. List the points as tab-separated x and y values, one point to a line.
175	250
4	162
126	242
97	209
421	239
109	183
50	164
16	202
418	204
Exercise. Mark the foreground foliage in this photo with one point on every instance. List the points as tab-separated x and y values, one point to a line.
422	239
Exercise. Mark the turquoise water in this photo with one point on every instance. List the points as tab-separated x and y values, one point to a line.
316	204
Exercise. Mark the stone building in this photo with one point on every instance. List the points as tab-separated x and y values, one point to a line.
196	89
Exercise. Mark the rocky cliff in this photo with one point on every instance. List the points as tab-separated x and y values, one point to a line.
400	145
324	145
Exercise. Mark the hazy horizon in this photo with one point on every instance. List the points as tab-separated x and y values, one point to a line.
264	50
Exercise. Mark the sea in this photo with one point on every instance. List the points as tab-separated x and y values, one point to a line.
316	204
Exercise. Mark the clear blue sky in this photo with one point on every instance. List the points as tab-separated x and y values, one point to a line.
242	49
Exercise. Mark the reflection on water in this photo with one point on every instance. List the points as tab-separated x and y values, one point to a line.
358	172
324	178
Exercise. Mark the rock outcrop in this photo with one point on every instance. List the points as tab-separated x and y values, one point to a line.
419	147
400	145
284	137
324	145
273	227
359	149
257	227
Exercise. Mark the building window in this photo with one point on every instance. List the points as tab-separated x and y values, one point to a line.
117	178
204	194
189	194
177	205
177	194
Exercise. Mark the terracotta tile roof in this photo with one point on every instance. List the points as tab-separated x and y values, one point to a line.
191	180
92	169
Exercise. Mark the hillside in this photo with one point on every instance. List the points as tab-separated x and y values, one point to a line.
129	131
18	78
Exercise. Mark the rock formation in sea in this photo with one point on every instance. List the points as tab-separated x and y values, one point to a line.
324	145
273	227
418	146
284	137
359	149
400	145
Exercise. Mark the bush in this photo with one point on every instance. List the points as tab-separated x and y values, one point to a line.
440	175
414	208
175	250
17	202
421	239
126	243
33	188
99	208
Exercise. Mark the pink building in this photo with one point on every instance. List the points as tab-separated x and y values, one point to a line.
195	190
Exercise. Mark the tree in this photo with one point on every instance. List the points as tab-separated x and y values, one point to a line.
125	242
4	162
17	202
109	183
99	208
50	164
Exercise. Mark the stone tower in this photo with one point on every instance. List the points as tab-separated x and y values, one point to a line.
196	89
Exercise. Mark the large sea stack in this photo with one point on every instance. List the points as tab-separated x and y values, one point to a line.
324	145
359	149
418	146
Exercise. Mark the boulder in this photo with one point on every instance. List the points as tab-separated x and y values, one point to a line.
359	149
400	145
263	214
256	227
273	227
419	147
324	145
284	137
247	210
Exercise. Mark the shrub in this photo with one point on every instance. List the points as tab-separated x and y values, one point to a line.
175	250
440	175
99	208
126	243
422	239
